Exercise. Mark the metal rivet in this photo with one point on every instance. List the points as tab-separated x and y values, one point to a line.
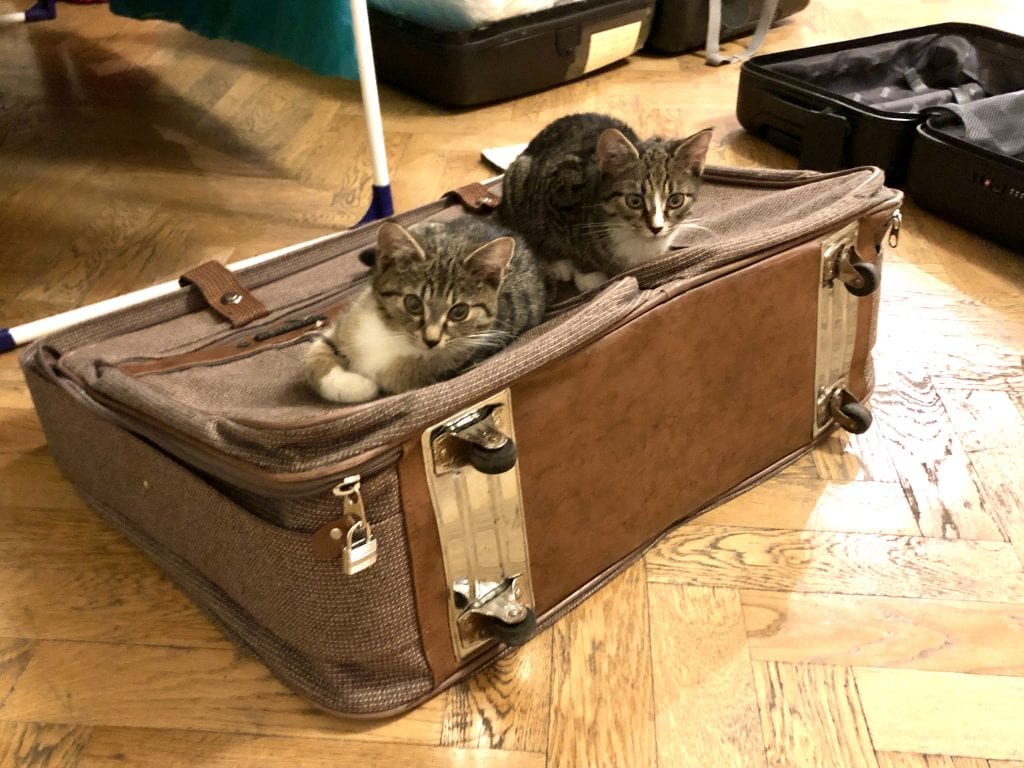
336	534
231	298
145	485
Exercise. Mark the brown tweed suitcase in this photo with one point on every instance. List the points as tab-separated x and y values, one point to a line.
371	555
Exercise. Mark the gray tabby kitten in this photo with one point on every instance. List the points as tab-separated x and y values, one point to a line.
593	200
442	297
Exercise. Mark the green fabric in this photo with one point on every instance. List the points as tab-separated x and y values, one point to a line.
316	34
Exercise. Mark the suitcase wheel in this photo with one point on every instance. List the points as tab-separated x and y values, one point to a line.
849	413
512	634
868	280
493	461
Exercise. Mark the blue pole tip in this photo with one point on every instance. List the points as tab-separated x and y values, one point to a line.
7	342
381	205
44	10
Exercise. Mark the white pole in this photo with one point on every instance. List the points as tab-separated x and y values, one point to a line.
368	86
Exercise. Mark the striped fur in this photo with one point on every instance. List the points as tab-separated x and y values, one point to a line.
592	200
407	328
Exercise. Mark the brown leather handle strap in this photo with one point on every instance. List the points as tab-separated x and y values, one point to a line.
224	293
476	197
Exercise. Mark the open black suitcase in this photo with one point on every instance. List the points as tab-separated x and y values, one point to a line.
509	58
373	554
939	108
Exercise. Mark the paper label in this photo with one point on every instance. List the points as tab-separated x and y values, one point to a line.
611	45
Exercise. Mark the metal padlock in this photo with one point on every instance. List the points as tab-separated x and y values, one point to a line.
358	555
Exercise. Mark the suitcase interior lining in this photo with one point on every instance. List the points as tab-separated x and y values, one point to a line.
952	77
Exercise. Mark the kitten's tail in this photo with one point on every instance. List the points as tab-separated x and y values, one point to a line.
330	379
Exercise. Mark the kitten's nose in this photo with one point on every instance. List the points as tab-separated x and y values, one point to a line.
655	230
431	343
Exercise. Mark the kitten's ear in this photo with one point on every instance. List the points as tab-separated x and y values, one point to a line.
489	261
395	244
615	152
690	153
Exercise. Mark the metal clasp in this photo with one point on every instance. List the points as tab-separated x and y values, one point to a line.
360	550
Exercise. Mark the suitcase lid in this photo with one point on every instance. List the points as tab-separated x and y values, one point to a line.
178	374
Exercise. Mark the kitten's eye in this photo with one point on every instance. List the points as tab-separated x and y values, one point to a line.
676	199
458	312
634	201
413	304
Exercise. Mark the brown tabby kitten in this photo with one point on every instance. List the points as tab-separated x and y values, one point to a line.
593	200
442	297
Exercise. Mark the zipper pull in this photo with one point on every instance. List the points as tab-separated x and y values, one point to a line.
350	535
894	231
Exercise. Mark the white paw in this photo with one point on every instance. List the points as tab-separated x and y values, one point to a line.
343	386
585	281
561	271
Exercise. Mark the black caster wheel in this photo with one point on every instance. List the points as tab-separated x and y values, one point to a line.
869	277
493	461
512	634
858	416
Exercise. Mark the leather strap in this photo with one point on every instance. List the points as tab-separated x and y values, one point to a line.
224	294
477	197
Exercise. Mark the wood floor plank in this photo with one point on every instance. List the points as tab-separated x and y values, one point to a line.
20	432
811	715
123	600
41	745
933	469
943	712
141	748
991	427
852	630
505	705
15	654
844	563
812	504
602	704
911	760
901	760
705	705
185	688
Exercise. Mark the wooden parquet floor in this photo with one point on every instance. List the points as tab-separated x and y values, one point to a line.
863	609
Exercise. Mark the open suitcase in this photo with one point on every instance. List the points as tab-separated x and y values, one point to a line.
371	555
938	108
509	58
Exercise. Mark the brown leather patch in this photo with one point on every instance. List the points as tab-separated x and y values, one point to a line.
640	429
477	197
329	539
427	564
224	294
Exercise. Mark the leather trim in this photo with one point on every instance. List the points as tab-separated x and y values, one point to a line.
477	197
427	564
224	294
236	349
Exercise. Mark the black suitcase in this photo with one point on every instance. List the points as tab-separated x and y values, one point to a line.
681	25
511	57
886	100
